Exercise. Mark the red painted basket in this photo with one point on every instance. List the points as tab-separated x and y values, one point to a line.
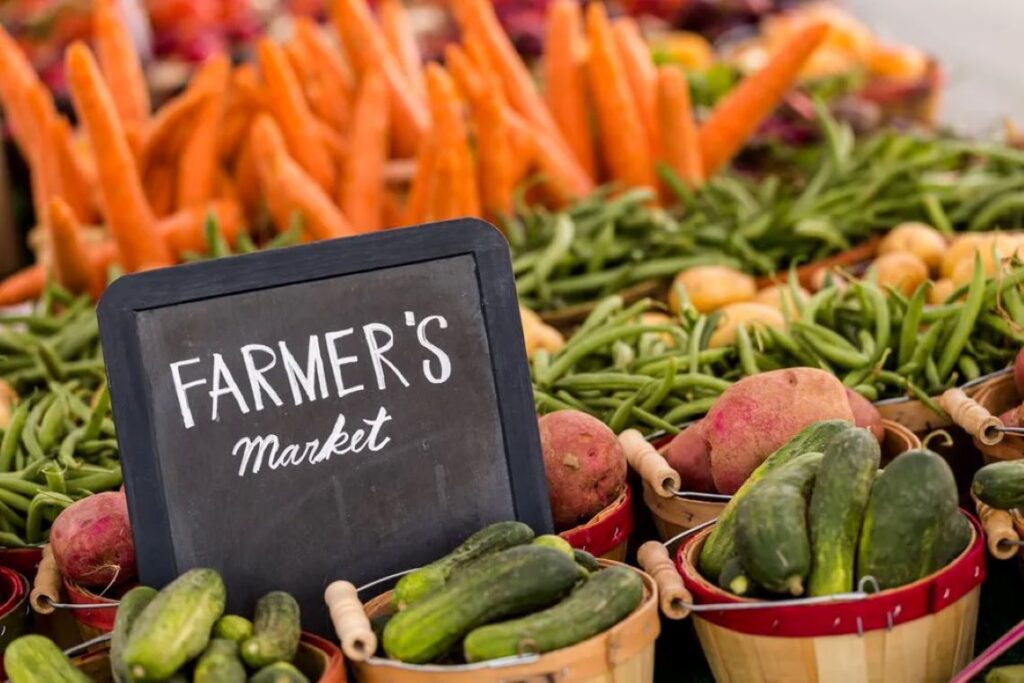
607	534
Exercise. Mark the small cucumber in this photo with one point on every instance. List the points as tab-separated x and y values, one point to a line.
129	609
954	535
233	627
36	659
1000	484
1006	674
720	544
279	672
219	663
276	631
556	542
604	600
771	526
841	492
175	626
514	581
425	580
586	560
734	578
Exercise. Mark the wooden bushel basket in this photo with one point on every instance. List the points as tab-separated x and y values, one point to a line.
622	654
674	515
997	396
607	534
919	633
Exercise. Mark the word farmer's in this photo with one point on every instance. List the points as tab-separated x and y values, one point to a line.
204	384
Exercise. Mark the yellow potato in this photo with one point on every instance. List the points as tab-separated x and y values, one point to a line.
988	248
748	313
655	318
839	280
711	287
919	239
901	270
538	334
774	295
940	291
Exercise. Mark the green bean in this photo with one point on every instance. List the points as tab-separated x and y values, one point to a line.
965	322
897	380
66	452
745	349
663	388
1002	327
14	519
52	424
564	232
999	206
831	345
936	214
883	324
50	364
698	406
14	500
54	478
601	312
968	368
95	483
12	436
911	323
29	435
33	527
11	540
868	391
570	400
1014	305
922	351
931	373
89	448
574	351
623	412
655	364
696	339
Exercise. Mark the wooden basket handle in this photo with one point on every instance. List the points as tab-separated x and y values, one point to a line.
653	558
358	641
972	417
649	463
46	587
1000	534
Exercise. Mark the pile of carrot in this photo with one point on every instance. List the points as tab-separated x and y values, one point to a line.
309	129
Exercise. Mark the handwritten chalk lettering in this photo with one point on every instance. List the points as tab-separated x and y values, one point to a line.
254	450
331	354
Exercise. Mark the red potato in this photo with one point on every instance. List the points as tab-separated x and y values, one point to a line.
758	414
688	455
92	541
1018	373
584	463
1011	418
865	414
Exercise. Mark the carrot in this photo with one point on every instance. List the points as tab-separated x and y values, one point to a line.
391	212
494	150
293	116
185	230
421	190
25	285
521	140
161	187
565	88
563	178
127	213
445	204
321	100
18	77
677	131
247	179
369	51
167	131
463	71
285	183
361	192
45	167
641	74
119	62
450	129
335	71
618	115
77	179
739	113
402	40
199	163
71	262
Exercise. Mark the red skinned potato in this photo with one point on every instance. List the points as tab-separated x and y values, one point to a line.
865	414
688	455
758	414
1018	373
1011	418
584	463
91	541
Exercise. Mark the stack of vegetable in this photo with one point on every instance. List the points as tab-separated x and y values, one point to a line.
558	596
180	634
818	518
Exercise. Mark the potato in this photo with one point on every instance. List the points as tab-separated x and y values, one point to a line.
960	247
819	277
919	239
775	294
688	455
538	334
865	414
584	463
711	287
940	291
901	270
1018	372
747	313
758	414
655	318
987	244
8	397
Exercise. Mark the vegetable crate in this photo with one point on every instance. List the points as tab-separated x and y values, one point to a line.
674	515
607	534
622	654
919	633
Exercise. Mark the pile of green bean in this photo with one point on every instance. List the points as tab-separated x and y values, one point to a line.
817	203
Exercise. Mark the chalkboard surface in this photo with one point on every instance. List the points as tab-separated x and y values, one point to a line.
346	409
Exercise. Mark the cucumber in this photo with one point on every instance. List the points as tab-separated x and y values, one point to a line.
513	581
219	663
556	542
604	600
954	535
233	627
909	504
175	626
1006	674
771	526
1000	484
586	560
720	544
36	659
734	578
840	495
425	580
276	631
279	672
129	609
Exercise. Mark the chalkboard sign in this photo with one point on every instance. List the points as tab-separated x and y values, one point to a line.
345	409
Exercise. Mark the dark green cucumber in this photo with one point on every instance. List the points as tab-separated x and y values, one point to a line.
1000	485
734	578
36	659
771	526
276	631
219	663
556	542
233	627
910	502
720	544
1006	674
175	626
586	560
840	495
513	581
128	610
279	672
954	535
605	599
